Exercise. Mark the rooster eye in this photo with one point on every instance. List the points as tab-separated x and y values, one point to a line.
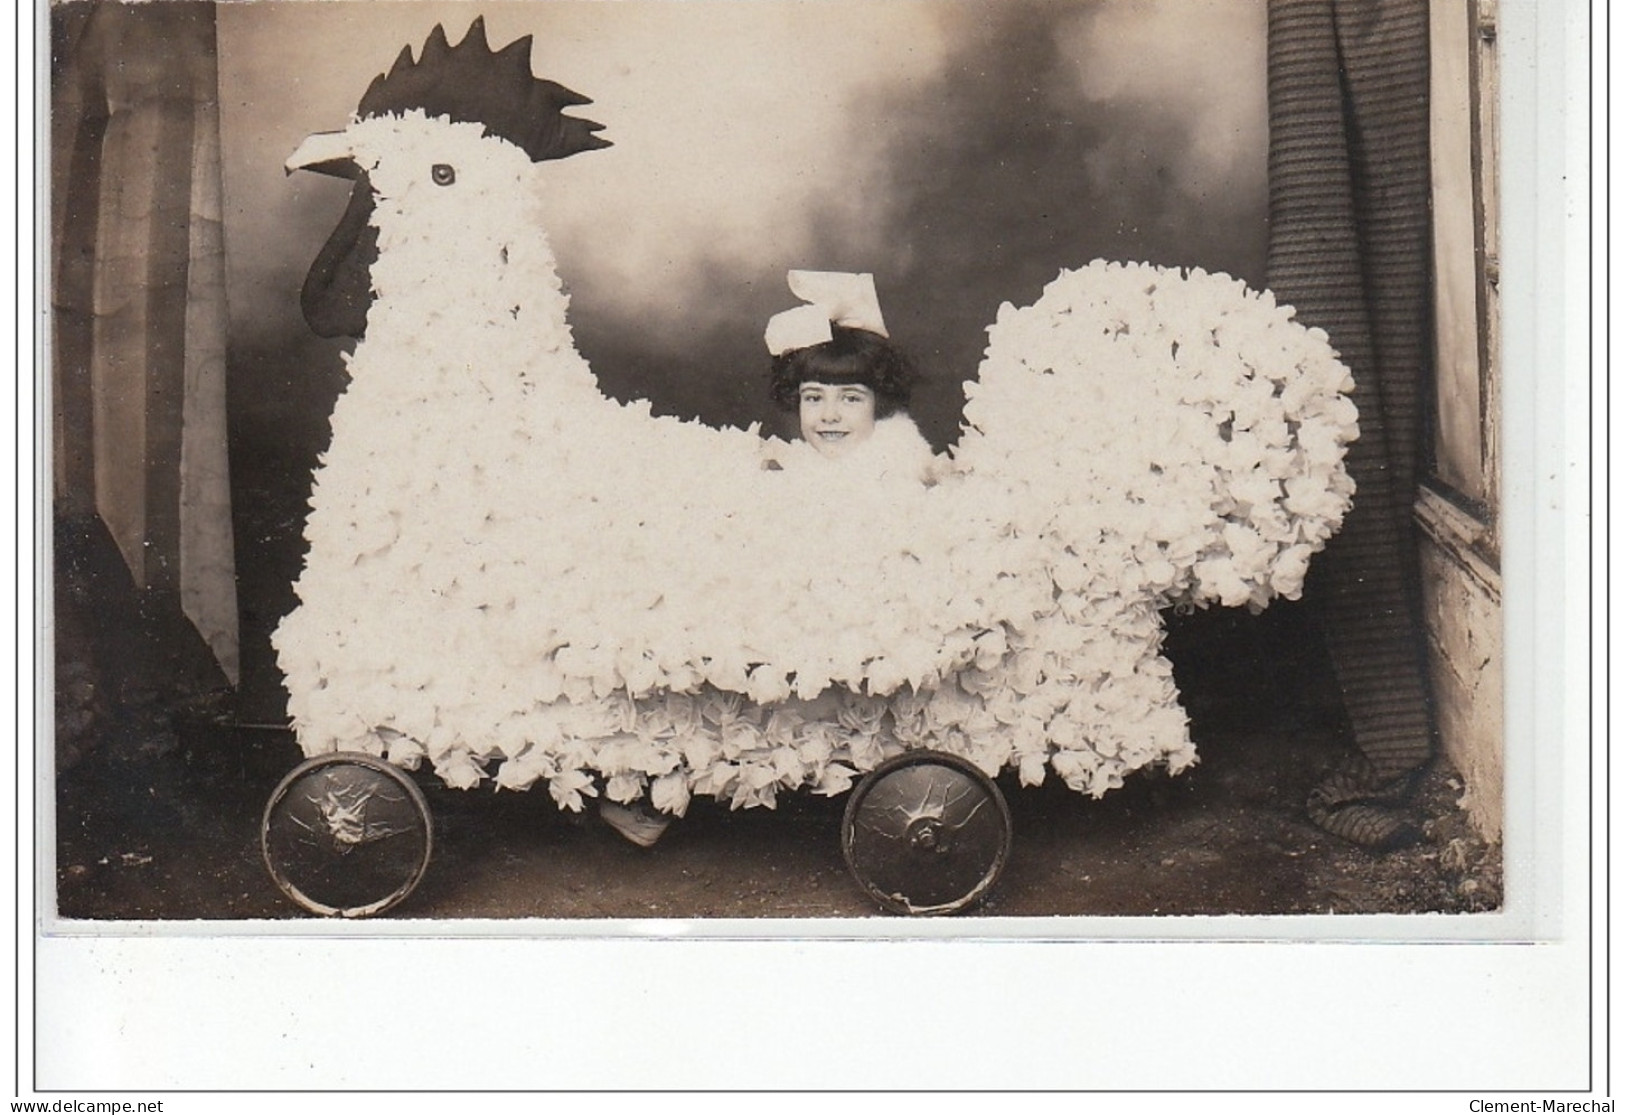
443	174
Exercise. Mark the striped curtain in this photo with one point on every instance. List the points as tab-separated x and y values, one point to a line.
1349	247
138	299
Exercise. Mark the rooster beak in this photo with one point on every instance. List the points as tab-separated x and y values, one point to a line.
325	153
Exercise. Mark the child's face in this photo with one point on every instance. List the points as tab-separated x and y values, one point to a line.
834	418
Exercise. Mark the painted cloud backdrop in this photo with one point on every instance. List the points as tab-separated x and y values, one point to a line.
962	150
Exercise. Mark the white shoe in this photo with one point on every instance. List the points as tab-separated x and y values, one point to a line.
635	823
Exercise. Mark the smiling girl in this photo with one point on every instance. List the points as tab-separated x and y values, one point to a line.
834	366
836	419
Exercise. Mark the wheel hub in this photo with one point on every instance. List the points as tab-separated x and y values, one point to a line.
929	834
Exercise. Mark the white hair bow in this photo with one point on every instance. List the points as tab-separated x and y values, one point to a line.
835	296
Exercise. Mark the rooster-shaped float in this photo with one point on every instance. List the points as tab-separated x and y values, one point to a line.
516	579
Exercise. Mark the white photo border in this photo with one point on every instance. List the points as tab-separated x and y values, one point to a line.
808	1006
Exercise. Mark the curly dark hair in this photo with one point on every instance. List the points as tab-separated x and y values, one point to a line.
850	356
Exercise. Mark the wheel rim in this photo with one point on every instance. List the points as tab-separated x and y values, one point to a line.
926	833
346	835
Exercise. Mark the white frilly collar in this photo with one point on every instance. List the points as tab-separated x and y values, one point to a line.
895	451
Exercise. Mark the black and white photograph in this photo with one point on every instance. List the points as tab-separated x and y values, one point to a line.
506	482
814	468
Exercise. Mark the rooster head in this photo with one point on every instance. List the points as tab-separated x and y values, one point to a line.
466	84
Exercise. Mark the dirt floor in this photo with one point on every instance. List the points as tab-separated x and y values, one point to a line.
178	838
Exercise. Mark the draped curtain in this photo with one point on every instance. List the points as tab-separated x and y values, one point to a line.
139	311
1350	236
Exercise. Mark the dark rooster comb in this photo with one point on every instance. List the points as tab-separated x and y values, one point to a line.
472	84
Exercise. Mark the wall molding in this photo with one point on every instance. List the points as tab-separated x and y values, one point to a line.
1465	538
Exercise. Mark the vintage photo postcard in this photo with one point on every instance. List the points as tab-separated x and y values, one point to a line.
433	399
953	469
